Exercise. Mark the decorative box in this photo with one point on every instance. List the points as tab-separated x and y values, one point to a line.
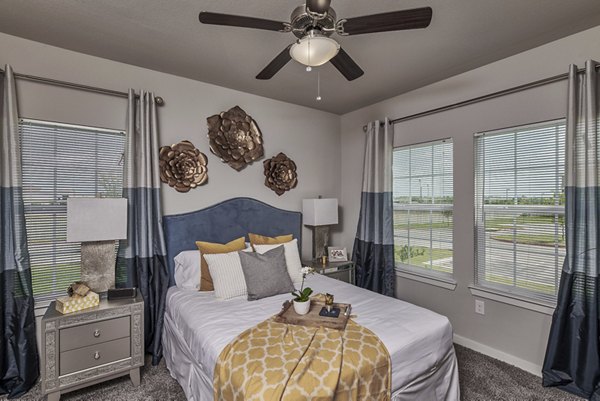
76	303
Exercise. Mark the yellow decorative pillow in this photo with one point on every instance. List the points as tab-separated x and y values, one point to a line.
256	239
207	248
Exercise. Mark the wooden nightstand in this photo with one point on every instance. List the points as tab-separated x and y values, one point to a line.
343	271
88	347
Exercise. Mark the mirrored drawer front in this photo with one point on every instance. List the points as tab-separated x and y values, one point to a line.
343	275
94	333
95	355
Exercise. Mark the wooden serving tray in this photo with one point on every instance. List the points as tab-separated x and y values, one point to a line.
312	319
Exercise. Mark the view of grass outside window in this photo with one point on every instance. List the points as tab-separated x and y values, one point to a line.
59	161
519	202
423	207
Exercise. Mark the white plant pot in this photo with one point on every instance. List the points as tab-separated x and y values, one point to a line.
302	308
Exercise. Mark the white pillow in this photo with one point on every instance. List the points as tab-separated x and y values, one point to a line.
227	274
292	258
187	270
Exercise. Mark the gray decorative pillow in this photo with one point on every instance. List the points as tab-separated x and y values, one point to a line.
266	275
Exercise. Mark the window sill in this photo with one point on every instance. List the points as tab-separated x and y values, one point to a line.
442	282
512	299
40	308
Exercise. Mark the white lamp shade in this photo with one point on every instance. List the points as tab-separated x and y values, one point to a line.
314	50
320	212
96	219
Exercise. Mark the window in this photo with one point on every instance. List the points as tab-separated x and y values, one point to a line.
423	200
59	161
519	209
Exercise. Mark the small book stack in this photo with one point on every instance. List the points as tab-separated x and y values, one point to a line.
80	297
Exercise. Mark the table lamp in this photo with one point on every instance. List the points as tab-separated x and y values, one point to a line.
320	214
97	223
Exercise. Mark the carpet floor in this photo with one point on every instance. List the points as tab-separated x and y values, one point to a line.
481	379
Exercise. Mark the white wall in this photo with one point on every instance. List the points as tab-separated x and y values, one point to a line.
509	332
310	137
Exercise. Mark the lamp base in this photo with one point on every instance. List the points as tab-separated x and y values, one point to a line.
320	241
98	265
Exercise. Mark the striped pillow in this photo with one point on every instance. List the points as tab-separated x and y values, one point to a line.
205	248
227	274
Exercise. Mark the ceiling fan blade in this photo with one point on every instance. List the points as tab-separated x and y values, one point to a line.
344	63
277	64
241	21
318	6
392	21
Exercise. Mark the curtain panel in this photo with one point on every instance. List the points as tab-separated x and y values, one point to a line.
373	251
142	256
19	365
572	356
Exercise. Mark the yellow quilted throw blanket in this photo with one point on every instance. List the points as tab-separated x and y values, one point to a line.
276	361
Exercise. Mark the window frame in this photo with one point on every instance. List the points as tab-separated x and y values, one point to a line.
513	295
59	204
429	276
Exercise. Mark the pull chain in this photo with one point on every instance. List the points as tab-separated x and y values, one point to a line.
318	86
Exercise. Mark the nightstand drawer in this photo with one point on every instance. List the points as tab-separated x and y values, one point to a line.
99	354
342	275
94	333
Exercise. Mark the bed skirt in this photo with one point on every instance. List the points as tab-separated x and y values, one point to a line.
439	384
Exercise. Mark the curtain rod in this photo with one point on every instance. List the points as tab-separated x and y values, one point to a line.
65	84
504	92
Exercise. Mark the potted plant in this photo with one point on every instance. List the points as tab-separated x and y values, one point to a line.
302	296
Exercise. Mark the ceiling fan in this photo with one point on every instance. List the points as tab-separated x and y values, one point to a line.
313	23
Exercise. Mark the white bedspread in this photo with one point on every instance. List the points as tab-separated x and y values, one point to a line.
419	341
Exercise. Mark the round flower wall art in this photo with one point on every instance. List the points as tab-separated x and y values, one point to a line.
182	166
280	173
235	138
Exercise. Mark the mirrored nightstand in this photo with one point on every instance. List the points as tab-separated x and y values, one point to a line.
343	271
91	346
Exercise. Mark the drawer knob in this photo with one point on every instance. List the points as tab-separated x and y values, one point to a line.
97	355
96	333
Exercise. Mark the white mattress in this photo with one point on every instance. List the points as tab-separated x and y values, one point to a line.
198	327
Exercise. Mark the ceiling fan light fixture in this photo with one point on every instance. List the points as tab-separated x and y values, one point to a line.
314	49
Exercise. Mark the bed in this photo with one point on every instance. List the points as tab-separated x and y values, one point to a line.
198	326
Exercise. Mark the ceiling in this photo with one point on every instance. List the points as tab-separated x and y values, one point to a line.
166	36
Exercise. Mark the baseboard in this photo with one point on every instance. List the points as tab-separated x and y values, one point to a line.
500	355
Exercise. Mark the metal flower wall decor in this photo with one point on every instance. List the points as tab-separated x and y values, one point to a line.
280	173
235	138
182	166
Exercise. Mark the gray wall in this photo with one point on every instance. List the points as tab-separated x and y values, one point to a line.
509	332
310	137
317	141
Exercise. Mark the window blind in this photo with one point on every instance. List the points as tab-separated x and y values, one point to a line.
61	160
519	209
423	207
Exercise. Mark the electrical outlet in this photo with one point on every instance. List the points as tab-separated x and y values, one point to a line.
479	307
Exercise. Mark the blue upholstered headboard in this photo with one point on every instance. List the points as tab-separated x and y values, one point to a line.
224	222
